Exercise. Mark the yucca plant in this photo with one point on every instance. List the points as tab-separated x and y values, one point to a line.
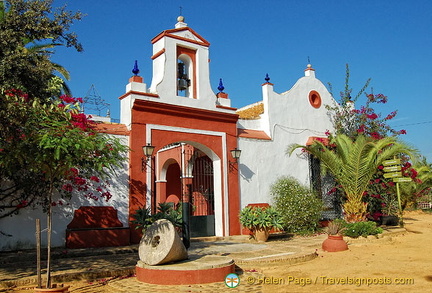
353	163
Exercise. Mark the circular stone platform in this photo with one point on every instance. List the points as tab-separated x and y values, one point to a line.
206	269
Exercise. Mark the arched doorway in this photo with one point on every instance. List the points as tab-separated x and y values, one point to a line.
186	171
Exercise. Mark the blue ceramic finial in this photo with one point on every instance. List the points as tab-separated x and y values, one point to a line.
135	70
221	87
267	78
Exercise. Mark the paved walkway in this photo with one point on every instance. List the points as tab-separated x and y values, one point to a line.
118	264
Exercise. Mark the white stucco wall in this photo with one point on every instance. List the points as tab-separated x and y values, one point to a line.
164	78
22	229
288	118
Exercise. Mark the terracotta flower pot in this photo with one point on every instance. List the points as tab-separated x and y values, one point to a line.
334	243
261	235
51	290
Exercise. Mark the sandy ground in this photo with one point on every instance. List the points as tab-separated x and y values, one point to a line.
400	264
403	264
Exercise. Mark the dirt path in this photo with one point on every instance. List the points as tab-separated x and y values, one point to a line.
400	264
403	264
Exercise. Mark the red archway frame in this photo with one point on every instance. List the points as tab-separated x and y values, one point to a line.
201	122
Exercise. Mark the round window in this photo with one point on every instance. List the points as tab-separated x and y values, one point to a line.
315	99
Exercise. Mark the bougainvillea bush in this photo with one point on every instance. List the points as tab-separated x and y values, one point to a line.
354	116
51	147
56	149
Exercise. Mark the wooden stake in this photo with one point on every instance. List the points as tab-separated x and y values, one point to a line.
38	253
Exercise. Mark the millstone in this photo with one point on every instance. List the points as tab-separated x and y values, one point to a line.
161	244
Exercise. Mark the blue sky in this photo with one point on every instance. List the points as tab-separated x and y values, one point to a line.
387	41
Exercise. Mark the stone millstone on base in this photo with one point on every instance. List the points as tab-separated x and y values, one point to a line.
161	244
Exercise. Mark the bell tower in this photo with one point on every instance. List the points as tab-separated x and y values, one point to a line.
181	73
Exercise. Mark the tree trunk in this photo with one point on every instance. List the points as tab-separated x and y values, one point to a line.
49	228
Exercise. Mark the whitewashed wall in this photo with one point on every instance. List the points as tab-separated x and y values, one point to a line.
22	229
288	118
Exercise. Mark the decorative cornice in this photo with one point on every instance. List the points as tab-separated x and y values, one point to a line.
158	54
139	94
169	33
226	108
176	110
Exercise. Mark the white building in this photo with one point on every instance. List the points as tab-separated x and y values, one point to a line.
193	131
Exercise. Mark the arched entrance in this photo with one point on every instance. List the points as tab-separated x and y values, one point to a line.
186	171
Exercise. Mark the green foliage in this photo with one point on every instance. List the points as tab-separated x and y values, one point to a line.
336	227
50	147
364	229
260	218
144	219
420	185
353	164
29	30
299	207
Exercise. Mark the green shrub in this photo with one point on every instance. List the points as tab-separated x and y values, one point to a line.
364	229
144	219
299	206
256	218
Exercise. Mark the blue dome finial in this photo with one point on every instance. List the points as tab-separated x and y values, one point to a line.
267	78
135	70
221	87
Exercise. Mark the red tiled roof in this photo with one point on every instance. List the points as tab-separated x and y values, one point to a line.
112	128
311	140
249	133
252	112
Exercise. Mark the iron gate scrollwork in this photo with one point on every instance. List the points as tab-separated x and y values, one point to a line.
202	199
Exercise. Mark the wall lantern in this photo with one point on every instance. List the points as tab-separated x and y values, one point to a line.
148	152
235	153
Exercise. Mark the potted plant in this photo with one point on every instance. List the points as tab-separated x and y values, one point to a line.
390	211
260	220
335	241
142	219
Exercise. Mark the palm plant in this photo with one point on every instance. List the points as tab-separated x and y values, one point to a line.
353	163
31	47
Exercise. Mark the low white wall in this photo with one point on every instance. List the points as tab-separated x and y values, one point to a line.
21	227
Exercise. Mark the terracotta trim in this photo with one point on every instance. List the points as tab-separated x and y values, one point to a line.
168	33
139	94
312	139
227	108
158	54
176	110
188	40
222	95
250	133
307	69
136	78
315	99
267	83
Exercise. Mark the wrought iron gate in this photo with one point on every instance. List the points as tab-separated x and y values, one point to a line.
202	195
321	184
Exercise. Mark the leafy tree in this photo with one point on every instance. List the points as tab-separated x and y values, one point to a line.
28	30
59	147
353	164
47	146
